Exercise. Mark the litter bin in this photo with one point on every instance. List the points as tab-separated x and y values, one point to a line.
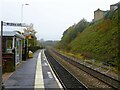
30	54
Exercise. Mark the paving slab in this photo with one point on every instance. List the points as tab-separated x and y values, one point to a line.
33	74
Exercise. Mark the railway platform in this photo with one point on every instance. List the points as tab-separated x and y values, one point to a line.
34	74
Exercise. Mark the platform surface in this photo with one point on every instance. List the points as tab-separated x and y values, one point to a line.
33	74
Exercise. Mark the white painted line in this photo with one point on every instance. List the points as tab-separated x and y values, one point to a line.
53	72
45	64
39	82
49	74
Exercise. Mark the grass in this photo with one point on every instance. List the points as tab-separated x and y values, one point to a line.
90	61
98	41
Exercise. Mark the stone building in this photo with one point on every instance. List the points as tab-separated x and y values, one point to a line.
114	6
99	14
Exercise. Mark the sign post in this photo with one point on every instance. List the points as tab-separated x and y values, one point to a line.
1	55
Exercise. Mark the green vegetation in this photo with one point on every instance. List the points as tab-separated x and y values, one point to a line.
48	43
95	40
71	33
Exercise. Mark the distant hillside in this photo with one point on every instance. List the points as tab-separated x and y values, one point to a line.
48	43
98	40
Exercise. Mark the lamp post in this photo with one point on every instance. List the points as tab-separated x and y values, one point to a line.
25	40
22	11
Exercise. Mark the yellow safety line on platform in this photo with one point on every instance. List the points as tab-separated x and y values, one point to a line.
39	82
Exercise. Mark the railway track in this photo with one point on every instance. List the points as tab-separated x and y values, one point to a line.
67	80
115	84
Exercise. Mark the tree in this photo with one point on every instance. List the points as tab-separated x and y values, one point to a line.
29	33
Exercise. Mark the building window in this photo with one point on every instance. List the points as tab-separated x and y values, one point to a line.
7	45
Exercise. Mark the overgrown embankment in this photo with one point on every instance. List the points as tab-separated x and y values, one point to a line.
98	40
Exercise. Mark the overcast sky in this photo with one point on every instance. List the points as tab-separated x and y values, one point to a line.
51	17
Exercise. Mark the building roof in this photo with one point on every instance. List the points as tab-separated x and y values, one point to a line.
116	4
9	33
99	10
12	34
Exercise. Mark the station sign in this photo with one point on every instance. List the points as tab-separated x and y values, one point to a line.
15	24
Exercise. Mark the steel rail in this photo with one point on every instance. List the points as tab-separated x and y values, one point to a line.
67	79
102	77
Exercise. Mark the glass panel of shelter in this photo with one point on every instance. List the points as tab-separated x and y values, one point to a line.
7	45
